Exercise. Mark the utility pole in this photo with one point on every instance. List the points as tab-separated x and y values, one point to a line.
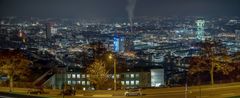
186	86
111	56
115	76
62	84
200	88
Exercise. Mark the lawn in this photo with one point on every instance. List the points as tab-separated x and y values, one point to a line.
235	97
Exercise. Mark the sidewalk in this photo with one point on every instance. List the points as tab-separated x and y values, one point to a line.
55	93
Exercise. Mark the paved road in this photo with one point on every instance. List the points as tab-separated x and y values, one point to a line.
12	95
222	91
217	91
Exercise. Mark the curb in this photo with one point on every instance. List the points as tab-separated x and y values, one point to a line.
102	95
79	95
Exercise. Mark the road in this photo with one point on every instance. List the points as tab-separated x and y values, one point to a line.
12	95
216	91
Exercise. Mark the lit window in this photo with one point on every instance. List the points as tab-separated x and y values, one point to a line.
73	76
69	82
132	75
78	82
118	75
83	75
112	76
83	82
137	82
127	82
137	75
127	75
122	82
78	75
69	75
132	82
88	82
88	76
73	82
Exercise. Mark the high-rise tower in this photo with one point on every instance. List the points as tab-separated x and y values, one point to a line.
237	33
48	34
118	43
200	29
48	31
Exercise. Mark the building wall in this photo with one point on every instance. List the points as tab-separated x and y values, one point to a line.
157	77
78	79
70	78
126	79
130	79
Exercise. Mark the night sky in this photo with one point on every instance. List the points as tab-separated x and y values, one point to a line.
117	8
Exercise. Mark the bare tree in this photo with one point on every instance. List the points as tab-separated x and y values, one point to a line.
214	58
98	74
13	63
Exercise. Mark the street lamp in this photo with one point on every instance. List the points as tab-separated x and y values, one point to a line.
186	84
62	84
115	71
63	72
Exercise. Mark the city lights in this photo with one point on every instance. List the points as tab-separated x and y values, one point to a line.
120	48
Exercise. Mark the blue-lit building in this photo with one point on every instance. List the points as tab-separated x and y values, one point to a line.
118	42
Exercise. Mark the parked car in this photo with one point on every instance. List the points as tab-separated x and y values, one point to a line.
133	92
36	91
68	91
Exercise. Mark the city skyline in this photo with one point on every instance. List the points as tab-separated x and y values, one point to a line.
119	48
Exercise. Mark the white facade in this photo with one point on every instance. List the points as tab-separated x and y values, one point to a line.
157	77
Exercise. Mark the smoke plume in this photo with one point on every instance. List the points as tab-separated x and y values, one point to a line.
130	10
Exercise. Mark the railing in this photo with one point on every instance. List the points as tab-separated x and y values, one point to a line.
43	76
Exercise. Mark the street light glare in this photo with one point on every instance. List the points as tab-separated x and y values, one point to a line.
110	56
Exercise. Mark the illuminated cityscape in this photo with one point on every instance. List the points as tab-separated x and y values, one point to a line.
110	48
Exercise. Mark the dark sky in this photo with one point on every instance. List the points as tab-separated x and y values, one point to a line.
116	8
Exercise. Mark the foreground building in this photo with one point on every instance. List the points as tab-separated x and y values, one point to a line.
130	78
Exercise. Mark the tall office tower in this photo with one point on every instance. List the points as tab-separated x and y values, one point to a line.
118	43
200	29
22	35
237	33
23	38
48	34
128	43
48	31
121	44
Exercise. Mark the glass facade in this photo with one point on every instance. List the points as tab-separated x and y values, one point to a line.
157	77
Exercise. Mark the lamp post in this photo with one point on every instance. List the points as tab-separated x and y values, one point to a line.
63	72
186	85
62	84
115	71
200	89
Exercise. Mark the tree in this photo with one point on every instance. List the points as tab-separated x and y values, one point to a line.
98	74
13	63
144	79
98	49
214	58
